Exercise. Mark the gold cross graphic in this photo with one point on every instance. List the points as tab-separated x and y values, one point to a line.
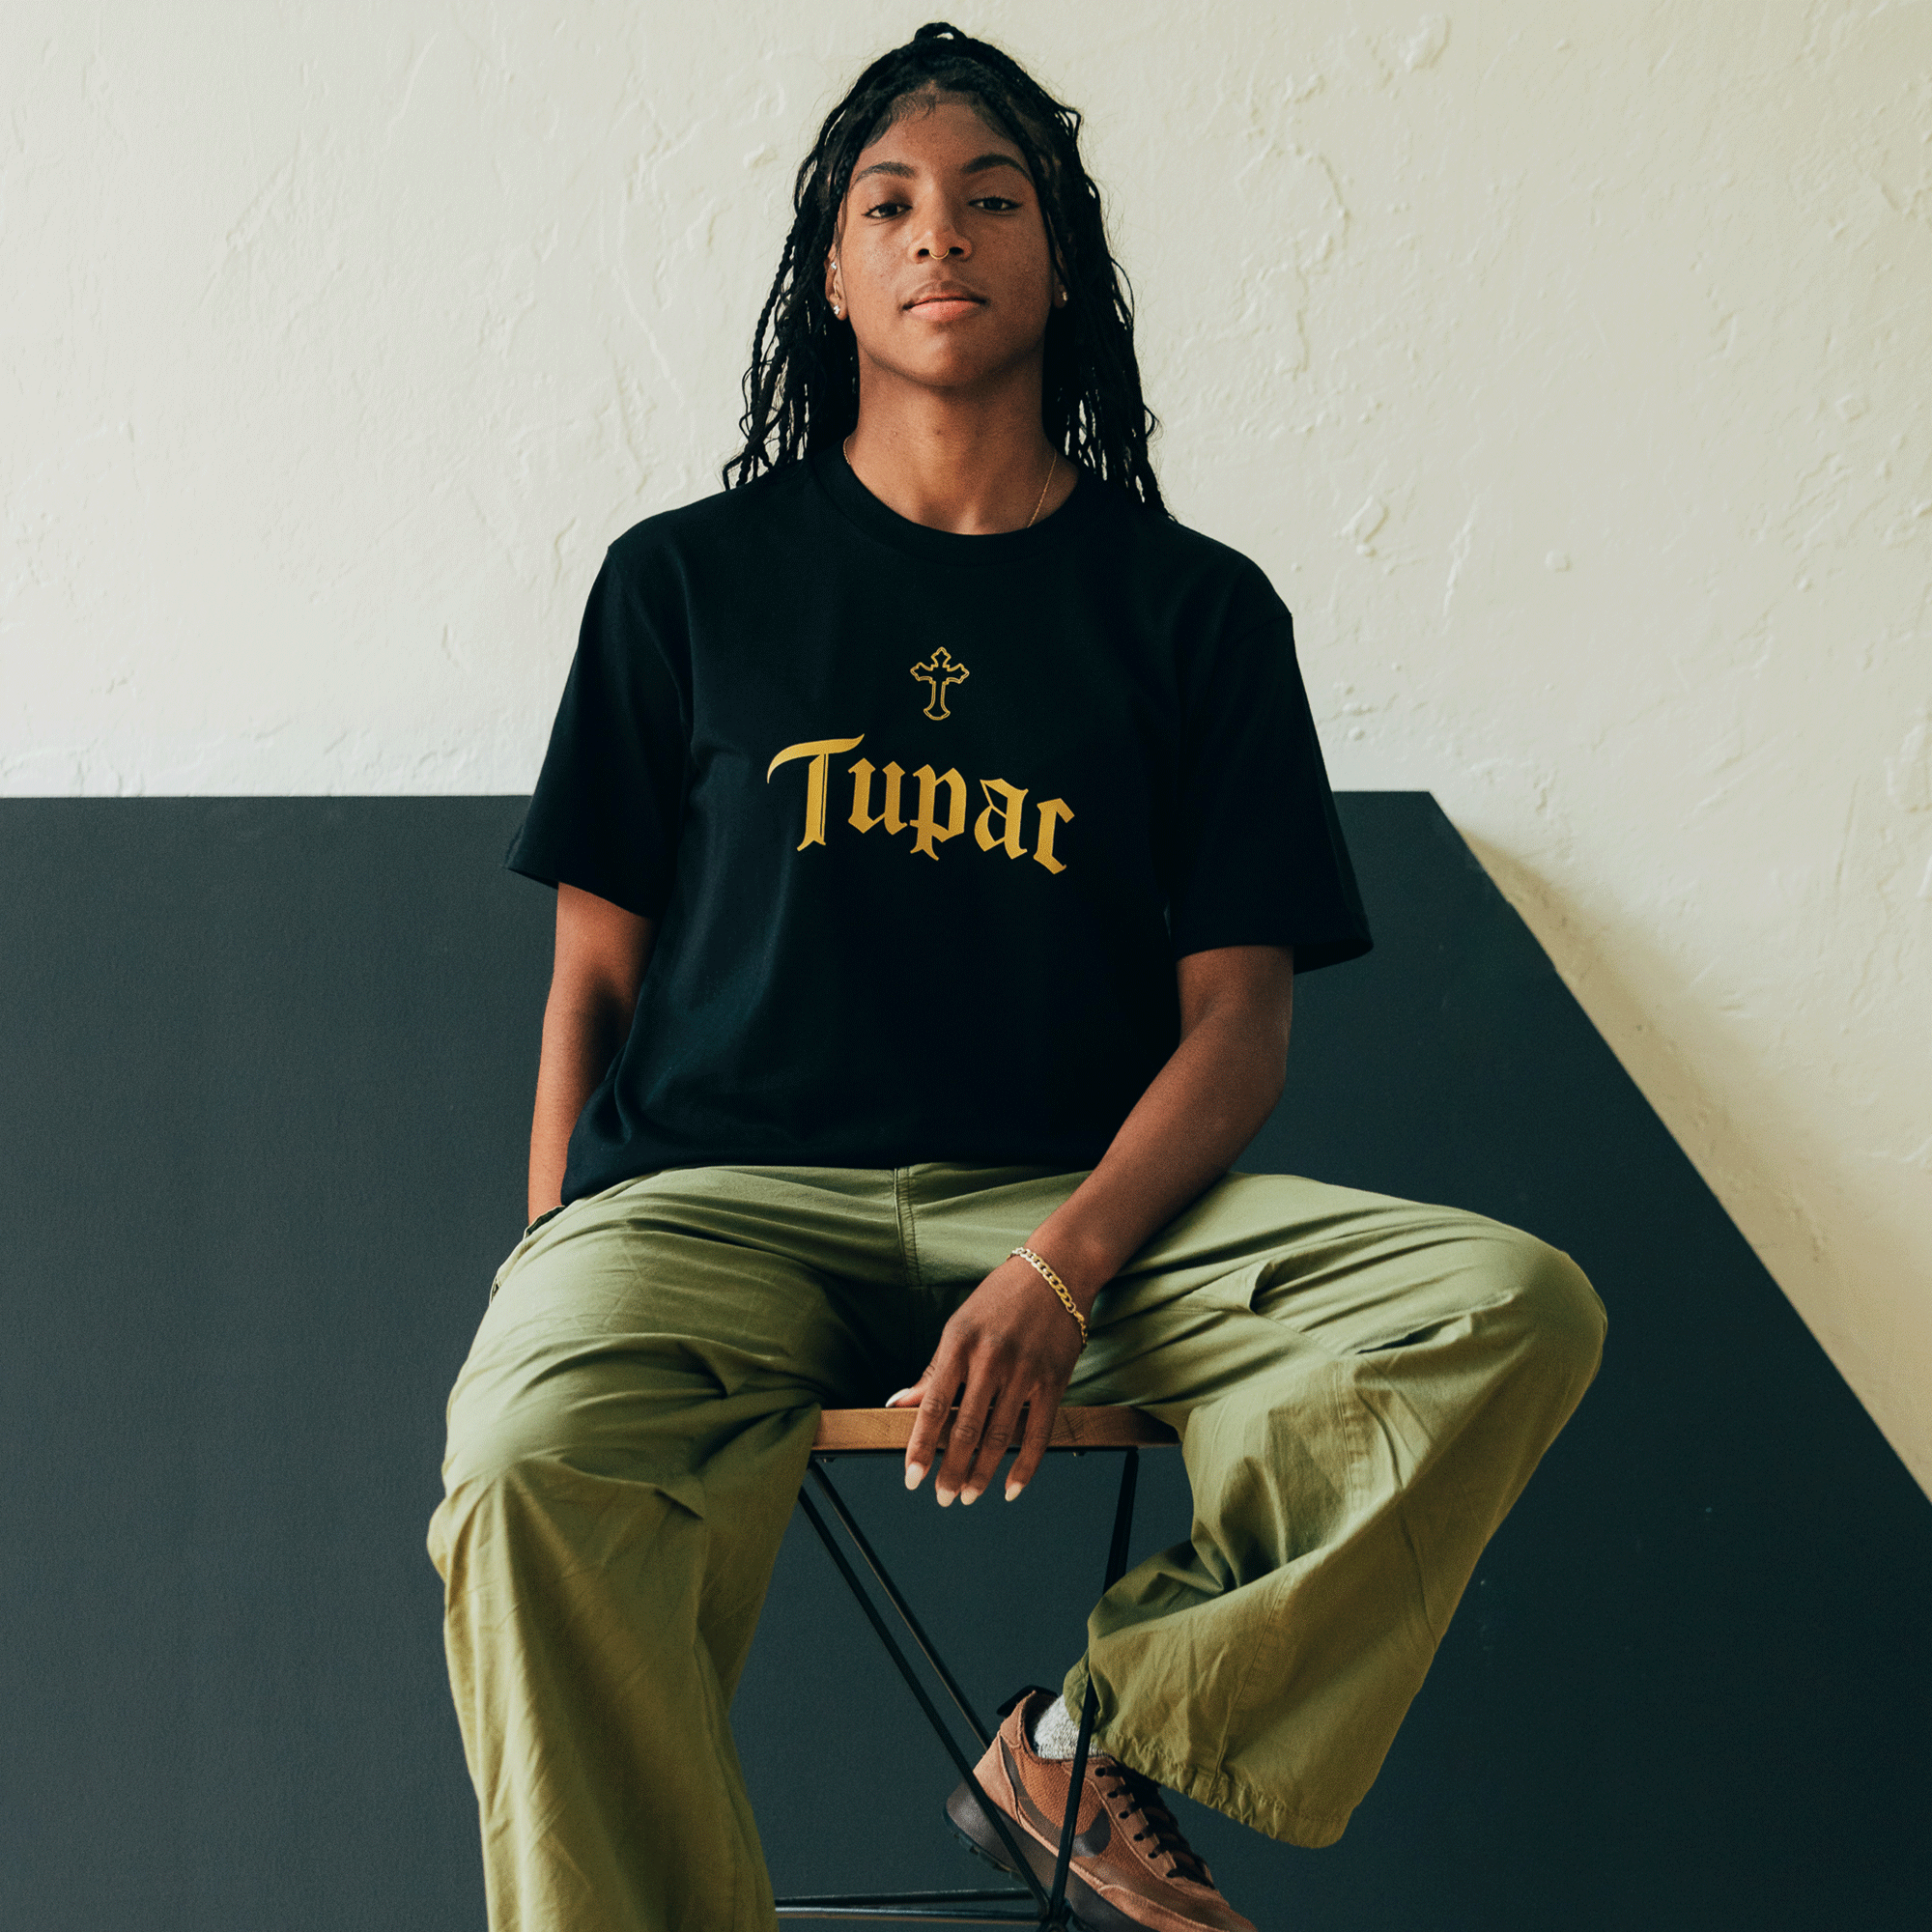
938	672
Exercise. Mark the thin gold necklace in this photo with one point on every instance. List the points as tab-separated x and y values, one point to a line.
1052	463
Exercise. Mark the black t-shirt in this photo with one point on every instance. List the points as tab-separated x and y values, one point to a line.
925	821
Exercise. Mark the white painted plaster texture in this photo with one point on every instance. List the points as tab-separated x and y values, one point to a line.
1565	363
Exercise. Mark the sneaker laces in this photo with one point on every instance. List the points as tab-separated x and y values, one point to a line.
1143	1795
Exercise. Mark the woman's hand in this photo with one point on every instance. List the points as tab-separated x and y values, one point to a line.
1010	1348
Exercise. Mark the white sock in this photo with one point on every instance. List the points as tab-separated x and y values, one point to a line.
1056	1732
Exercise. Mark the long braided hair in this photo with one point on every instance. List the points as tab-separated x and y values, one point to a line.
802	389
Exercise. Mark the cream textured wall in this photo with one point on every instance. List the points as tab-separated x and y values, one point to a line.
1565	363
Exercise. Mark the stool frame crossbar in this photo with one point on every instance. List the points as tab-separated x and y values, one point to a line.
1037	1905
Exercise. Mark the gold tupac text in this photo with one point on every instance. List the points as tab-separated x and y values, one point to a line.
1001	825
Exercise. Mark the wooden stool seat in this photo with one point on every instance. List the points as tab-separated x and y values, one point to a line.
885	1432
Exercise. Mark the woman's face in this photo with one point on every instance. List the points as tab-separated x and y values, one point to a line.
940	258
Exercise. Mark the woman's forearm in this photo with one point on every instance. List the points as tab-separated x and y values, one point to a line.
1199	1112
602	951
581	1034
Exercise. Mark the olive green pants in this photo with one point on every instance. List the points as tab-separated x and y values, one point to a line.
1362	1387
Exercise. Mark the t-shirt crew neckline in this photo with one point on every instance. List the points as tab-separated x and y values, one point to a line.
857	503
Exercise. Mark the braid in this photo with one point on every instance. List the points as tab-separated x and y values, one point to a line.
802	389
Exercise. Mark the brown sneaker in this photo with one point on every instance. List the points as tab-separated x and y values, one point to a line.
1131	1868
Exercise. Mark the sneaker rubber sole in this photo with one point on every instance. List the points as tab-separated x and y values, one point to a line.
971	1827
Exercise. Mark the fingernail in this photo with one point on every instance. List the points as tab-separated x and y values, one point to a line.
897	1396
946	1497
915	1475
968	1497
1013	1490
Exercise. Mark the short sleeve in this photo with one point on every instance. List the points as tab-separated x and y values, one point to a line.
1259	858
607	805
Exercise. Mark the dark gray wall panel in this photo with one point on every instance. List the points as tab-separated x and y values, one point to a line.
265	1076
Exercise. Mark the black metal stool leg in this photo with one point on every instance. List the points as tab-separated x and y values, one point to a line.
899	1603
1045	1908
1090	1705
904	1667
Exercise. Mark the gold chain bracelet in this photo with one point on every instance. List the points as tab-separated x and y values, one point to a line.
1053	1282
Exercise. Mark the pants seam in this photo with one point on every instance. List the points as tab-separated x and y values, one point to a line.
908	1233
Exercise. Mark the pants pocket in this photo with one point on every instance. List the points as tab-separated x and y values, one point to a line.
531	1237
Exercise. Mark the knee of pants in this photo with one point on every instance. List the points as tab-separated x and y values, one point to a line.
529	1478
663	1427
1562	1320
488	1448
504	1430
